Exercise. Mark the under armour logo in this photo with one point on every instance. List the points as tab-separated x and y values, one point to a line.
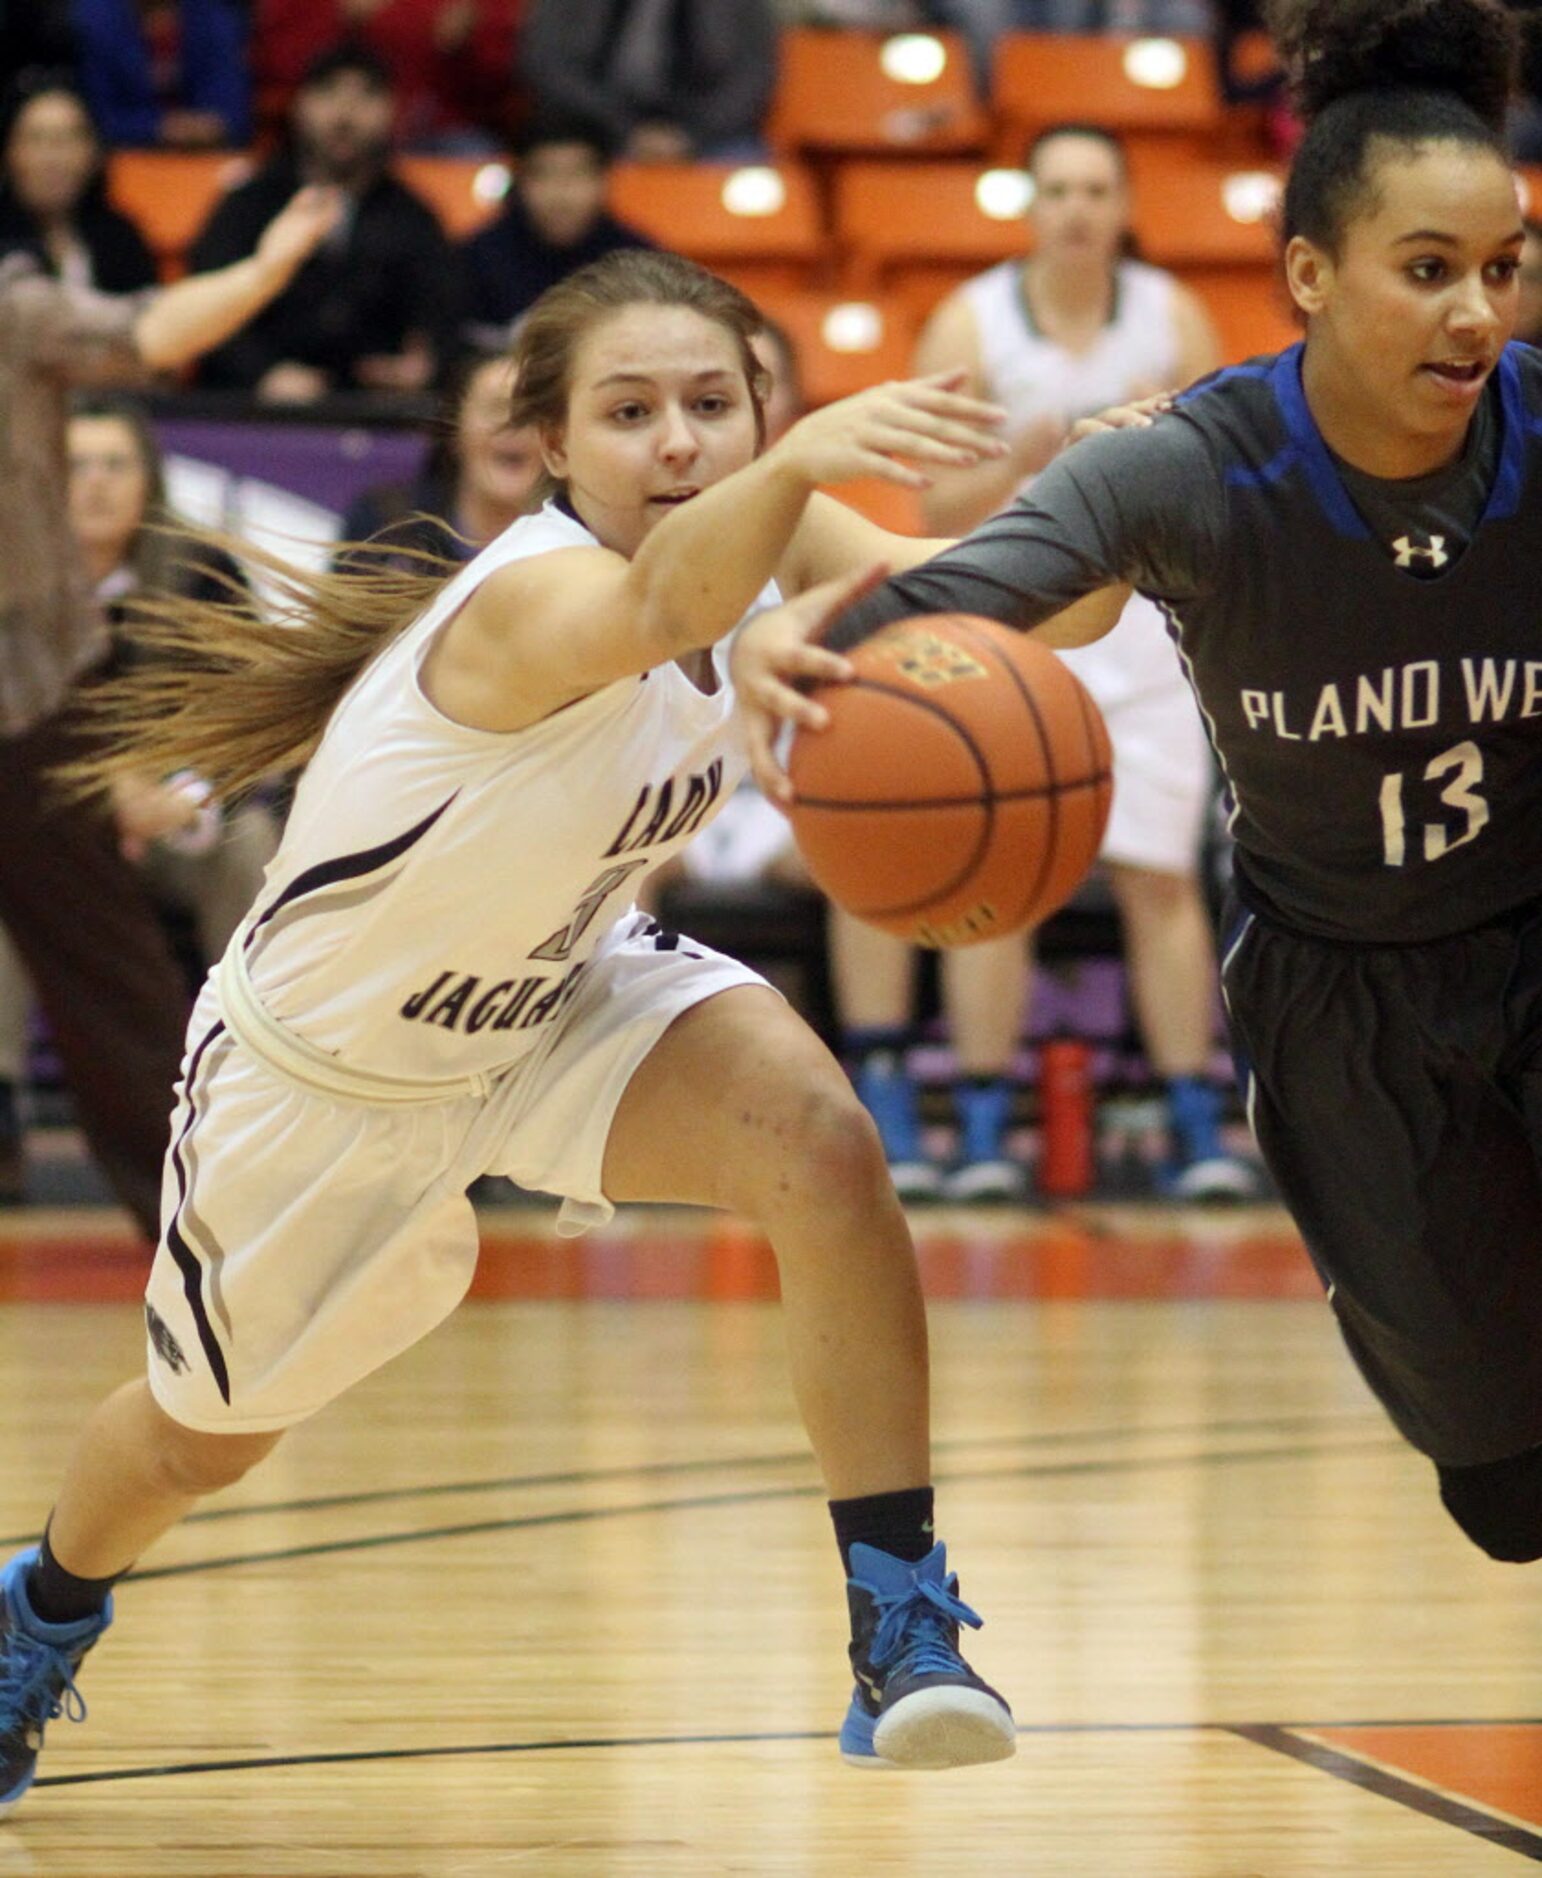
1407	553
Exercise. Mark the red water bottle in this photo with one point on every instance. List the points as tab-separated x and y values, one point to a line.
1065	1116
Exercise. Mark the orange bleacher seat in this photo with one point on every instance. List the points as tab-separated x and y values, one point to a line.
1250	307
758	224
1146	85
916	230
1201	211
170	194
846	92
844	343
464	192
898	214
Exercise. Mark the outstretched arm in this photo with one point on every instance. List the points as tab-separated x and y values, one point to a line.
545	630
194	315
1142	506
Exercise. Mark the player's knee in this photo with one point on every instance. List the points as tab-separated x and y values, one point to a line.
191	1464
833	1154
1498	1505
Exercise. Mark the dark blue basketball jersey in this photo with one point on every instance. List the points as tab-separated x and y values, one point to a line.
1372	687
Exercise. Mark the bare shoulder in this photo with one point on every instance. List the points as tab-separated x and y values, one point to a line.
950	337
527	589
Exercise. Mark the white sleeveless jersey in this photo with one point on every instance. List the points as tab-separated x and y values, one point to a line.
439	888
1031	377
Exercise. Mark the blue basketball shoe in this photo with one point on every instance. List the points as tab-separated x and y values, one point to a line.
38	1662
916	1703
1201	1167
886	1091
984	1170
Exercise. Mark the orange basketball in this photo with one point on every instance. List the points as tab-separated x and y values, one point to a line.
962	786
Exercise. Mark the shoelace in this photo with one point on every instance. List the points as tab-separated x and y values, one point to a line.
38	1683
917	1623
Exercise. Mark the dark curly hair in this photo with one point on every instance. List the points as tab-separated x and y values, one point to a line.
1404	71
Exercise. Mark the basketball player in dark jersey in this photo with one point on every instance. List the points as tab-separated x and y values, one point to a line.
1347	543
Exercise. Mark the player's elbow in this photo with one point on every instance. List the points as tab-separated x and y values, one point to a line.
1085	620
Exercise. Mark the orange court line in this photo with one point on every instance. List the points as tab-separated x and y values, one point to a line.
1495	1765
86	1256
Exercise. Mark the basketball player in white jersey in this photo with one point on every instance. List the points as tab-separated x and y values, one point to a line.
446	976
1074	327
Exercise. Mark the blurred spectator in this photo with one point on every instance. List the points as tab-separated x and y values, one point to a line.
212	869
165	71
450	59
375	308
554	221
1073	326
667	80
52	199
477	478
115	1000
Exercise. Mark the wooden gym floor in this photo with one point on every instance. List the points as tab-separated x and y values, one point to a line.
555	1594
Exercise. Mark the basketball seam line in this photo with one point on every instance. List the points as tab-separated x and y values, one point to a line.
1051	791
988	798
982	769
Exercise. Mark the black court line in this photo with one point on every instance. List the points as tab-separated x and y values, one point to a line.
1401	1788
749	1496
1265	1734
735	1463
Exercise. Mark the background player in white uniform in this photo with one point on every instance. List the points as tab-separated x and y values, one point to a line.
445	975
1070	329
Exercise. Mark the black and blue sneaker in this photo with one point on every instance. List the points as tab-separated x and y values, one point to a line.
888	1093
38	1662
916	1703
1201	1167
984	1170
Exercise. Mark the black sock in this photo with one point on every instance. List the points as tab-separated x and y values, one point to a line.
880	1047
58	1596
897	1523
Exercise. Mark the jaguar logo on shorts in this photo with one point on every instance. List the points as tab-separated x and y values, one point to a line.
927	659
164	1343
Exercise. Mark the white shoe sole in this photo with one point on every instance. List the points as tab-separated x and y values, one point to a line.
1221	1179
1000	1181
945	1727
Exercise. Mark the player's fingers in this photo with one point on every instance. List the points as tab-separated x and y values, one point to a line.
791	705
890	469
760	741
917	427
814	665
926	394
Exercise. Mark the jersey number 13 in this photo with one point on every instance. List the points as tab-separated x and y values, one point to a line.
1461	769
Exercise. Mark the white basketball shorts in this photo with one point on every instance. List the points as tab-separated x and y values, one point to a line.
306	1240
1162	765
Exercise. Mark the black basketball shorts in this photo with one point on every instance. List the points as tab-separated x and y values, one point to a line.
1396	1095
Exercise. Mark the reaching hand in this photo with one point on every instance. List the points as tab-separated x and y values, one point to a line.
926	419
772	657
1138	414
298	229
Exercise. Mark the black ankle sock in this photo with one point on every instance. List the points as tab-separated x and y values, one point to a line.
58	1596
897	1523
876	1046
